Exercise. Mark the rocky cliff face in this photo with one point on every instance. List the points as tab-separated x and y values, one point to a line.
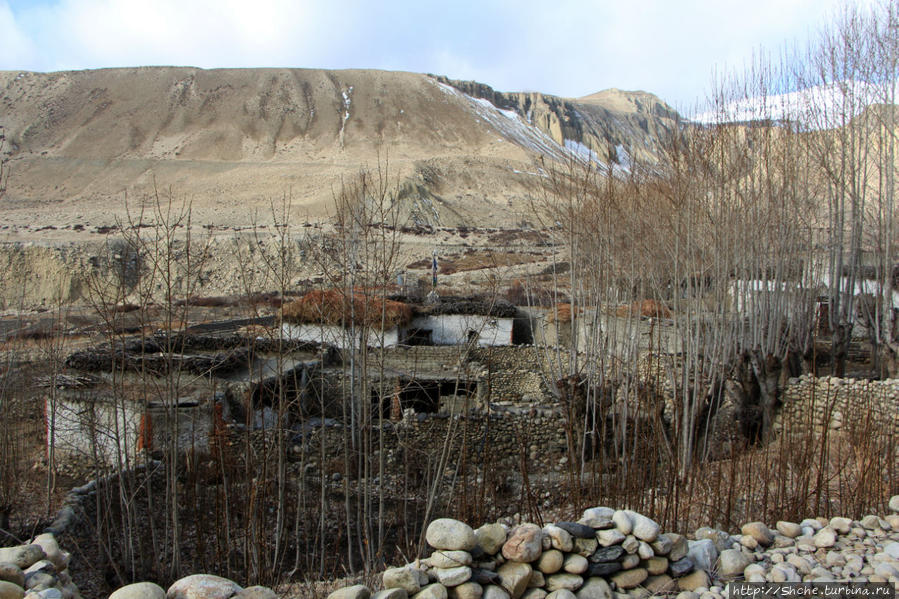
611	123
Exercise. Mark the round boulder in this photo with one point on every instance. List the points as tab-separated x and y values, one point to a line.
139	590
9	590
446	533
525	543
203	586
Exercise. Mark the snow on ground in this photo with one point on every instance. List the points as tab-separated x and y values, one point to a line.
818	107
510	124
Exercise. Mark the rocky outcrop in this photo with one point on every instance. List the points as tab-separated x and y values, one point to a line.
617	125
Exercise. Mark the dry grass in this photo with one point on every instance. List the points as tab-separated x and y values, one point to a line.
332	307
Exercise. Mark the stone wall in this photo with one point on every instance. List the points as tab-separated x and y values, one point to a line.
836	403
494	438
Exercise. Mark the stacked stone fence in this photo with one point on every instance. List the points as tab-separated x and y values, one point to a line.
813	404
621	554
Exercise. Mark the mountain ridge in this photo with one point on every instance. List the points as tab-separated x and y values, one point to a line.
231	140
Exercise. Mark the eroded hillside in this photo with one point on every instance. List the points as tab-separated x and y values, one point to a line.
83	144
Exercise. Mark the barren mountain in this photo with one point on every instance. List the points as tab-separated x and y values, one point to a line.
85	144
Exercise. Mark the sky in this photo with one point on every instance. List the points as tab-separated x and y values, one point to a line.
563	47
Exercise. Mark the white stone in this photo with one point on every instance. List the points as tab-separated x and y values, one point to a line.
139	590
826	537
894	503
447	533
645	529
452	577
609	537
597	517
208	586
623	522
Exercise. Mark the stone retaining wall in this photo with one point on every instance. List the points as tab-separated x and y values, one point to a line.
840	403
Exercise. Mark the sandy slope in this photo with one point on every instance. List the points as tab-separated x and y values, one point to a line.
82	144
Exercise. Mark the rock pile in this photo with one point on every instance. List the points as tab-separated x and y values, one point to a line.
196	586
606	549
622	554
36	570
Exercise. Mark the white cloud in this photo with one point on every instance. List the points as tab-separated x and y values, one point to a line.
566	47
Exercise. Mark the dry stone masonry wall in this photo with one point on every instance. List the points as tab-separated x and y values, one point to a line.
619	554
834	402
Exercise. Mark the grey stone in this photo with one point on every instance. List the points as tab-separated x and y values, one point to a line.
12	573
493	591
525	543
572	582
694	580
894	503
406	578
645	529
561	594
631	560
662	545
575	564
580	531
260	592
514	577
679	547
731	564
551	561
447	533
760	532
608	554
680	567
603	569
656	565
466	590
659	584
39	581
703	554
449	559
892	550
208	586
559	538
51	593
392	594
628	579
630	544
826	537
484	577
871	522
139	590
788	529
644	550
594	588
432	591
491	537
609	537
451	577
22	556
9	590
535	593
623	522
598	517
48	543
537	580
841	525
585	547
